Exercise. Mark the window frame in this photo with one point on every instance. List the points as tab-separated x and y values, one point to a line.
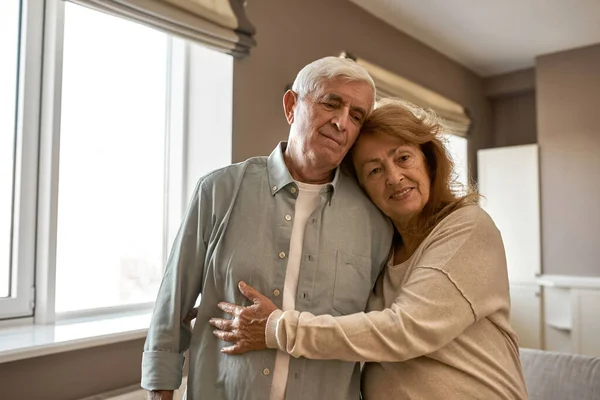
35	214
21	302
37	151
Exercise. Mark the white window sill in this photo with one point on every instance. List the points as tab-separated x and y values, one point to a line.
21	342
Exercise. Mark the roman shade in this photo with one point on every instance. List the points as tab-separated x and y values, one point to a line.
218	24
390	85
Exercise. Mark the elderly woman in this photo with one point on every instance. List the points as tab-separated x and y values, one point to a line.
437	323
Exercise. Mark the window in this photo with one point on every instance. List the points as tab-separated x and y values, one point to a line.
102	155
112	162
9	49
457	148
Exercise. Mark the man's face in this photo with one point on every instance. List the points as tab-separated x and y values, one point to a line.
326	123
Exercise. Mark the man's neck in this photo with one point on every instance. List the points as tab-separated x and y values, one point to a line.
304	173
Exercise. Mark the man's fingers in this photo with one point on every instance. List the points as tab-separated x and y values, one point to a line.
222	324
230	337
249	292
230	309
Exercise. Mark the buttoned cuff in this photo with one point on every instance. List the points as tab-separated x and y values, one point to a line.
162	370
271	329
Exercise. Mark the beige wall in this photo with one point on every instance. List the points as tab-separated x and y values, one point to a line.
292	33
510	83
514	119
513	103
72	375
568	104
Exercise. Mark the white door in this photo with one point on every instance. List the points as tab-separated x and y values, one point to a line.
509	182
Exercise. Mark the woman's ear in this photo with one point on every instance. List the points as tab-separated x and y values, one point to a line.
290	98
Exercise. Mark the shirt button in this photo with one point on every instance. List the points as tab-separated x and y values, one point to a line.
276	292
288	217
282	255
310	257
293	190
266	371
313	221
274	188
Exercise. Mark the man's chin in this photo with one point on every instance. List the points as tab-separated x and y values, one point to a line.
329	158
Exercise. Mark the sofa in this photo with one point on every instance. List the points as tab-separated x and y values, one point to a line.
557	376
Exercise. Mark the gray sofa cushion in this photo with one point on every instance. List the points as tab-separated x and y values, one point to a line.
557	376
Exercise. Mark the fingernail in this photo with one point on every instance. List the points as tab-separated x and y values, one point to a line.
242	284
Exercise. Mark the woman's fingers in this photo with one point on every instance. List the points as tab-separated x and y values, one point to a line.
250	293
231	309
222	324
231	337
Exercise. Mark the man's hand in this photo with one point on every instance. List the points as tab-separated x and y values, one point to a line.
247	328
160	395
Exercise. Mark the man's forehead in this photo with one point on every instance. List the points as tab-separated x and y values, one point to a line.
347	90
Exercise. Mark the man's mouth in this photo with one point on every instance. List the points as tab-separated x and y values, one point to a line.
332	139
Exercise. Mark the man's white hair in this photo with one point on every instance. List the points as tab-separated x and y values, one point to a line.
312	76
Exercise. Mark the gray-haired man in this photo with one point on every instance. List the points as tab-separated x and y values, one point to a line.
293	225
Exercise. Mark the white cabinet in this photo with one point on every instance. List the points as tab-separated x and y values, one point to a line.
526	315
572	314
586	322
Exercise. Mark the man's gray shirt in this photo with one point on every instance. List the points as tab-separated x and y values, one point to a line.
238	227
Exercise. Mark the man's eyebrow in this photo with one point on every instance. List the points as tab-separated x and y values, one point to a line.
337	98
333	97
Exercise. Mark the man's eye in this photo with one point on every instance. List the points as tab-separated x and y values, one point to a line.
375	171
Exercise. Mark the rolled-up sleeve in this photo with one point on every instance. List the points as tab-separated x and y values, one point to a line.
168	337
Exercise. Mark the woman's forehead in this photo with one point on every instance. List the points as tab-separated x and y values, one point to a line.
381	139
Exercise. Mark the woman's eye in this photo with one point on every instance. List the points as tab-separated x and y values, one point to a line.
404	158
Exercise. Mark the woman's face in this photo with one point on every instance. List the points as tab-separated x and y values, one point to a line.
393	173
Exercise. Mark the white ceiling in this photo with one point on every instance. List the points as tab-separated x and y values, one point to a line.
493	36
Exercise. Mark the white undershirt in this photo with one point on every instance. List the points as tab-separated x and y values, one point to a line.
306	203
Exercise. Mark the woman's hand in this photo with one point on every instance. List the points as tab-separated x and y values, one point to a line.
247	328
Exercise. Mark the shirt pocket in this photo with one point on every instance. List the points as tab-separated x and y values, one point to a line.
353	283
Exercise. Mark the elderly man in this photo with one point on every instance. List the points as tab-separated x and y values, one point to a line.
293	225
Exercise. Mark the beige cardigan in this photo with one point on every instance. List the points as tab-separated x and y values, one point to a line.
437	326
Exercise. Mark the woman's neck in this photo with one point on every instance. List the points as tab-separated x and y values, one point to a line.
408	243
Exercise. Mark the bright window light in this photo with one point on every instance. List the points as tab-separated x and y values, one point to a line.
112	162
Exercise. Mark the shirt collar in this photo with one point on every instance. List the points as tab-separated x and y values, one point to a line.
279	176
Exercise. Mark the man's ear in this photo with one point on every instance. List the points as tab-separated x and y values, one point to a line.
290	98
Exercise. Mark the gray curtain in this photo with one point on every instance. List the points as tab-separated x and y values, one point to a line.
218	24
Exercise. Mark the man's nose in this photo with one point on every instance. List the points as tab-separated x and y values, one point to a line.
340	119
